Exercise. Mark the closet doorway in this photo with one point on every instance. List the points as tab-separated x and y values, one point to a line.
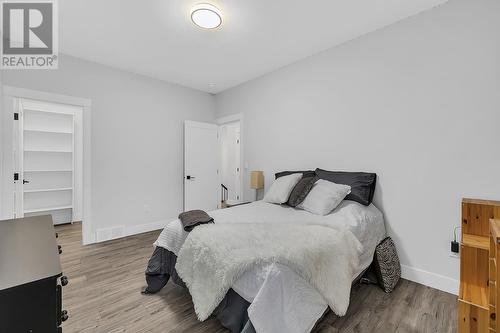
47	152
230	169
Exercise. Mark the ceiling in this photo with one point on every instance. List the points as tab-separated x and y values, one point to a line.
156	37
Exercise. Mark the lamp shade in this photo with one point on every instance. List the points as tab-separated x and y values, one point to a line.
257	180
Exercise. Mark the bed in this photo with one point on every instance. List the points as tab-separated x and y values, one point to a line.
269	295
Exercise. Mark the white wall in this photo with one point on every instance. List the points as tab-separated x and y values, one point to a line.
417	102
137	138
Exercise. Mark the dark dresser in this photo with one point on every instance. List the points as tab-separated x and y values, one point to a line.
31	278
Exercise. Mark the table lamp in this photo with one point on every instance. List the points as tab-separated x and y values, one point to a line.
256	181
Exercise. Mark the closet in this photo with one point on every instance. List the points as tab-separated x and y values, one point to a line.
45	160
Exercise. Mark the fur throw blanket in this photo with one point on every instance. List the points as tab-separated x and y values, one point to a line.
213	257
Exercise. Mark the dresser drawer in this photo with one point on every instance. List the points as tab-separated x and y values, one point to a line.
31	307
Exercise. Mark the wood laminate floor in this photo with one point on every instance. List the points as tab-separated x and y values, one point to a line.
105	280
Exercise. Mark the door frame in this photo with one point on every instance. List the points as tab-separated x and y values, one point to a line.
10	96
238	117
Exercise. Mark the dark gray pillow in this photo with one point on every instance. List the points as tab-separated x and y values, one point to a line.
301	190
362	184
387	265
307	173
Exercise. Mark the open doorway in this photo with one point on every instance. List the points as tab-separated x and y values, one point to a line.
213	162
48	165
230	163
46	157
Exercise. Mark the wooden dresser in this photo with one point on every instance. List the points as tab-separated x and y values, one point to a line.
478	265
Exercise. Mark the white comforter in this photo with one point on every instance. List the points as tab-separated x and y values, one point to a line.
282	301
214	256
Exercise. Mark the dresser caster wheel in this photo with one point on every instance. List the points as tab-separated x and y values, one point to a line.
64	280
64	315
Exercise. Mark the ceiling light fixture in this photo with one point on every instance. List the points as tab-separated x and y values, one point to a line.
206	16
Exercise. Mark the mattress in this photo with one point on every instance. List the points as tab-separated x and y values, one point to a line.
365	222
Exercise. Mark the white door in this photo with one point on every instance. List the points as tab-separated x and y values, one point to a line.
201	180
44	160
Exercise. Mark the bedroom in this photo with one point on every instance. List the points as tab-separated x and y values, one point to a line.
404	90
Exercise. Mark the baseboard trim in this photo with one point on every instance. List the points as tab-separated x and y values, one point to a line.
433	280
134	230
147	227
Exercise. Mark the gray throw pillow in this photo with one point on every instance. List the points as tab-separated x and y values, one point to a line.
305	174
362	184
300	191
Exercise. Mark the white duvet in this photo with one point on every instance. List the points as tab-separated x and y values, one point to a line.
282	301
214	256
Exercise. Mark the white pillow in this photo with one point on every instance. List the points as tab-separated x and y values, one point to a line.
324	197
281	188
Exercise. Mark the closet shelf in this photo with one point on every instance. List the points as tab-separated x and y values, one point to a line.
51	170
27	109
49	190
36	210
39	130
49	151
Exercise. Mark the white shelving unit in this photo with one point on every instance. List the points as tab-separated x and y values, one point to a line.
47	143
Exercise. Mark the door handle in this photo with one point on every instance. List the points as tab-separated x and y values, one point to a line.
25	181
190	177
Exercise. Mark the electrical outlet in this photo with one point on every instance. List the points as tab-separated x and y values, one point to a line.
454	249
455	244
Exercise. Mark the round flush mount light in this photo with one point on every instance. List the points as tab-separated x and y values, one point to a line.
206	16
